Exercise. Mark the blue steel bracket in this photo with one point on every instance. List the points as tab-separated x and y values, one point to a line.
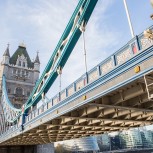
22	121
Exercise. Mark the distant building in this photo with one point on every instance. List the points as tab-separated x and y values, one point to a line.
88	144
115	142
131	139
104	142
21	74
147	138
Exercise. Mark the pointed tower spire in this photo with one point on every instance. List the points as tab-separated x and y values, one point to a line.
7	52
37	58
6	56
37	67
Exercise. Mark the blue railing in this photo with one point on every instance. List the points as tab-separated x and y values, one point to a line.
131	49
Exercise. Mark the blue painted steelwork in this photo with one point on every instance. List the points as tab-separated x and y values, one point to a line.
59	105
10	112
60	55
103	78
118	63
136	59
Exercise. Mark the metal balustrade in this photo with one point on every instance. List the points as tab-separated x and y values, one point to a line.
132	48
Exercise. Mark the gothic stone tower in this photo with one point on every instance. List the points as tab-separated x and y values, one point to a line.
21	74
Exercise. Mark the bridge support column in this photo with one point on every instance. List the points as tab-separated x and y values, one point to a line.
18	149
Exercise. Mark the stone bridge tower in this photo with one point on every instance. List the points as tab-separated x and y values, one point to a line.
21	74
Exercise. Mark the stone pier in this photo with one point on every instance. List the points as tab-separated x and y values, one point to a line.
46	148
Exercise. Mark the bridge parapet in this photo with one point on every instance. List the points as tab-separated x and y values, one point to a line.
128	51
118	63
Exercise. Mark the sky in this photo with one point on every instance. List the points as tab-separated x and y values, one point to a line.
40	24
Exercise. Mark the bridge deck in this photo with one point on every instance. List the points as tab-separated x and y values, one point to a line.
113	100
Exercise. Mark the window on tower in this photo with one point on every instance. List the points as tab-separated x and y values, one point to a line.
19	91
27	74
19	63
28	93
22	73
9	91
23	64
14	71
18	72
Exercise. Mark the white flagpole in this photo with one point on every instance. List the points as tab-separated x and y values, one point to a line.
128	17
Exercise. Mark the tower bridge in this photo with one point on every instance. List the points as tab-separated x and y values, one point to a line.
113	96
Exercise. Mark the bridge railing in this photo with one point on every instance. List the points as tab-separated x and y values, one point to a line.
103	69
144	42
132	48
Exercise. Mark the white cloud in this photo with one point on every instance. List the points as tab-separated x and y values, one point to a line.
41	23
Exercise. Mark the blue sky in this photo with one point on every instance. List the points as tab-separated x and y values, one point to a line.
40	24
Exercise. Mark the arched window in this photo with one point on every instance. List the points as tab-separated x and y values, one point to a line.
27	74
22	72
23	64
19	63
28	93
19	91
18	72
14	71
9	90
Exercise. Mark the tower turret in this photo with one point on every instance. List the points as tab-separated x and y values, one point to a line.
6	56
36	67
21	72
37	63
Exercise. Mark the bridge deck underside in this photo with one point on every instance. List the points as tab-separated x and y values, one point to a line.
121	109
115	102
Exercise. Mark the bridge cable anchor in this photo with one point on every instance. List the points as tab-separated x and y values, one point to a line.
43	97
82	27
59	71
